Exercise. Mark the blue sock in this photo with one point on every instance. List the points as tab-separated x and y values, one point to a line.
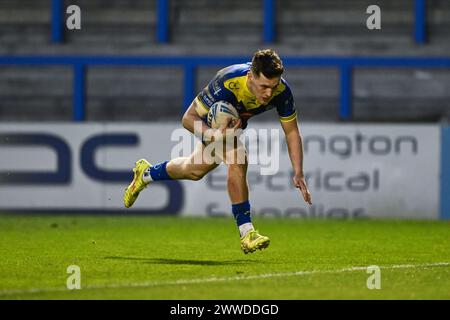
241	212
159	172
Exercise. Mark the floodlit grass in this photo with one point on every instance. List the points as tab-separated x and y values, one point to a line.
132	257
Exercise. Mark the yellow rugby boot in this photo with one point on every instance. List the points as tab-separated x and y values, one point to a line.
138	183
253	241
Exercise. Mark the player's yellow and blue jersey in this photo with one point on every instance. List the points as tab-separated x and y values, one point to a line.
230	84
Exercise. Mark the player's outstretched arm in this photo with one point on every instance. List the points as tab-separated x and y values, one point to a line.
295	149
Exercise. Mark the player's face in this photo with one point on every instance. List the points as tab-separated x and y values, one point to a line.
262	87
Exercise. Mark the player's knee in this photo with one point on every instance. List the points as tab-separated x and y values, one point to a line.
197	175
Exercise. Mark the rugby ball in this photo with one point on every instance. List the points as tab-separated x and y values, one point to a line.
220	112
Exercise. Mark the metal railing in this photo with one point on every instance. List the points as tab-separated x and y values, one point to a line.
344	64
269	21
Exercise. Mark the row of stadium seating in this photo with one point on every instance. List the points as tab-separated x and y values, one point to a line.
304	26
222	28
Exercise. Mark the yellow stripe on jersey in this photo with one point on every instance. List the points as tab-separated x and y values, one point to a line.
289	118
203	111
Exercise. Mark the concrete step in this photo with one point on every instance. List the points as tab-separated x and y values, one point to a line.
31	81
134	109
142	82
113	25
35	108
401	109
299	46
408	83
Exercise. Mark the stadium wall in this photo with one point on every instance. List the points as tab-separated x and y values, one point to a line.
445	174
353	170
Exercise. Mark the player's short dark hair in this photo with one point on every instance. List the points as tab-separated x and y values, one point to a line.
268	63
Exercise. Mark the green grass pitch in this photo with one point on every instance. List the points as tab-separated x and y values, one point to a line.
131	257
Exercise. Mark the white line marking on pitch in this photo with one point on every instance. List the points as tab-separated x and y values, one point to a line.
223	279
